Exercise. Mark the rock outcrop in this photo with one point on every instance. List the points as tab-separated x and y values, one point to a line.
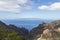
47	31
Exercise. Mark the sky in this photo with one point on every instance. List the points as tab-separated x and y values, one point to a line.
41	9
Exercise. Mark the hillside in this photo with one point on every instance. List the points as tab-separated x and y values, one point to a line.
11	32
46	31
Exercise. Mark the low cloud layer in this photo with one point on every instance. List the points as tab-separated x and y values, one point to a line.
54	6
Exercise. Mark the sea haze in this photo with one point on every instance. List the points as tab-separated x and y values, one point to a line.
27	23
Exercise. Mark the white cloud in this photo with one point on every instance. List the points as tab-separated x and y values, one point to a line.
9	6
54	6
12	5
43	7
22	1
2	2
28	7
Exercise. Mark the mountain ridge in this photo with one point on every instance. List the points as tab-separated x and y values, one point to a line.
41	32
46	30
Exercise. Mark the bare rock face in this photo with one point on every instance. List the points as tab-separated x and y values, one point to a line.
37	31
52	31
50	34
46	31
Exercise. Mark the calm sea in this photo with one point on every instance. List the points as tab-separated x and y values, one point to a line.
29	24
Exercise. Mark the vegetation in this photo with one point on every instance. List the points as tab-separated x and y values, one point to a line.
6	33
9	35
44	31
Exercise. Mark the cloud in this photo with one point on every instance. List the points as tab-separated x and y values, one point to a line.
54	6
10	6
22	1
43	7
13	5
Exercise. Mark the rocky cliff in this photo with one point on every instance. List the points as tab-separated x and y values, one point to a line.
46	31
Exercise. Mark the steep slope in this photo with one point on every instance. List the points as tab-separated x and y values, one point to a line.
46	30
2	25
51	32
37	31
21	31
11	32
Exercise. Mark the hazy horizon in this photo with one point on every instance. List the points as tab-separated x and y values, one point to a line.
26	23
29	11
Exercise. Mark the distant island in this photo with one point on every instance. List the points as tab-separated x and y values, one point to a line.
44	31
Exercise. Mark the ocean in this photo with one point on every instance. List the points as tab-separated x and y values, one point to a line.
27	23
